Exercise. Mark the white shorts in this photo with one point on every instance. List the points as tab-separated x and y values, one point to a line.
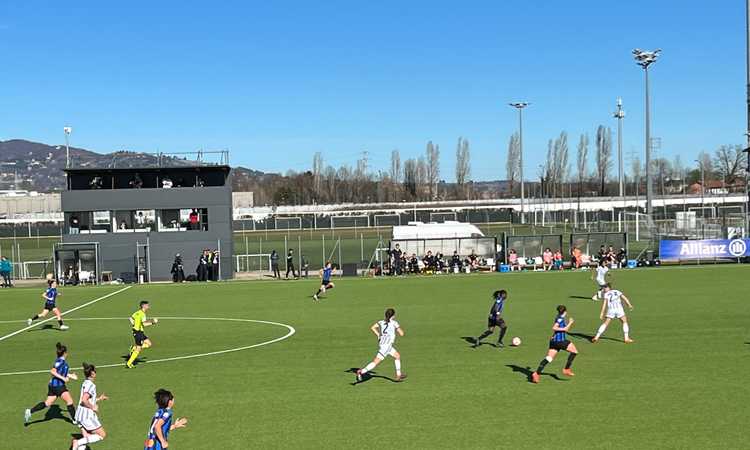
87	419
601	285
386	350
615	314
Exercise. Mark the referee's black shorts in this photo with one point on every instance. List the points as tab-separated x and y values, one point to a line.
139	337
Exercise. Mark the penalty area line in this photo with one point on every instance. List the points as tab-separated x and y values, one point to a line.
2	338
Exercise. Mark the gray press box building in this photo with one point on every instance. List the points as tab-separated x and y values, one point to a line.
129	223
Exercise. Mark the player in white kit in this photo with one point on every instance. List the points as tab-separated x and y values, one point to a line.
612	304
86	414
386	331
600	277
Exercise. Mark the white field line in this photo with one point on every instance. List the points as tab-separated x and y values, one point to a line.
2	338
176	358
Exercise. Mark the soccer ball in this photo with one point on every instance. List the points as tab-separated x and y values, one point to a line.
516	341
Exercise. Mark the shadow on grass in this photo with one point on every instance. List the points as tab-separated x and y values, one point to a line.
44	327
580	297
588	337
368	376
473	341
51	413
526	371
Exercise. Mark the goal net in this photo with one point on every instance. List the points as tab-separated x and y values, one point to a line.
387	220
256	262
441	217
350	221
288	223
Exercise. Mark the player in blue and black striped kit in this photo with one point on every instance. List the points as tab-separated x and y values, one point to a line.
50	299
495	318
161	422
326	283
56	387
558	342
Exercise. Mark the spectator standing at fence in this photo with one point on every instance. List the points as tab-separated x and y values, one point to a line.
547	259
178	272
215	265
396	255
513	259
75	224
275	264
209	265
202	270
6	269
290	264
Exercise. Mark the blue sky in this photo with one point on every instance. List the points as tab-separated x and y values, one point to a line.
275	82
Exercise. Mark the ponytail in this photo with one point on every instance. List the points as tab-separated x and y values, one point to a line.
389	313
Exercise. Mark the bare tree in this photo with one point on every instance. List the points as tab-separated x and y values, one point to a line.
603	156
395	166
663	168
559	163
432	174
317	171
422	178
582	161
512	164
463	166
636	170
728	161
410	178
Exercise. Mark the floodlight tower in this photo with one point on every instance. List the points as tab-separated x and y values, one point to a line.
520	106
619	115
644	59
67	131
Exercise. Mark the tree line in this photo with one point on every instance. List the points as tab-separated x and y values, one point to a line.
592	171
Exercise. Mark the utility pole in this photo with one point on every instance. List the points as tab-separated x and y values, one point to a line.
619	115
747	132
520	106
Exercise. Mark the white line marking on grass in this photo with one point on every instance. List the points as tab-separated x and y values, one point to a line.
291	332
2	338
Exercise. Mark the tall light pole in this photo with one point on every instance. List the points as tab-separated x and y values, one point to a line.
703	185
67	131
520	106
747	133
619	115
644	59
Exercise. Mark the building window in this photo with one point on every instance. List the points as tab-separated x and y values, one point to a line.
169	220
145	219
102	222
195	219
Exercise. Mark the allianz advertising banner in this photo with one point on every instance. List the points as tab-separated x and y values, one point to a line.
704	249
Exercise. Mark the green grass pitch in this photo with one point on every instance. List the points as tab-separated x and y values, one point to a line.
683	384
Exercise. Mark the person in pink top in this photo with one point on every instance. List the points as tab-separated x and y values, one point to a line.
547	259
513	259
558	260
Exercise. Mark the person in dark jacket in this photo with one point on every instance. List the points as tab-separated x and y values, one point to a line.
290	264
202	270
275	264
178	273
215	265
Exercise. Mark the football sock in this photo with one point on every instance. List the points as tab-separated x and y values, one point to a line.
38	407
35	317
72	411
502	334
368	367
88	440
397	363
543	363
626	330
600	331
318	293
484	335
571	357
60	322
133	356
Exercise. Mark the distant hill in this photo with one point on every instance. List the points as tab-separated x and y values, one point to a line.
39	167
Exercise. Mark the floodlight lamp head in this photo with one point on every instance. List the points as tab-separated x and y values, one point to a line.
67	130
519	105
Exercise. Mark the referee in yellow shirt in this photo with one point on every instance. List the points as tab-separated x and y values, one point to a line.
138	321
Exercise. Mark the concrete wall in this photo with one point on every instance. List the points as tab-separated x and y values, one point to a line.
118	250
29	204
